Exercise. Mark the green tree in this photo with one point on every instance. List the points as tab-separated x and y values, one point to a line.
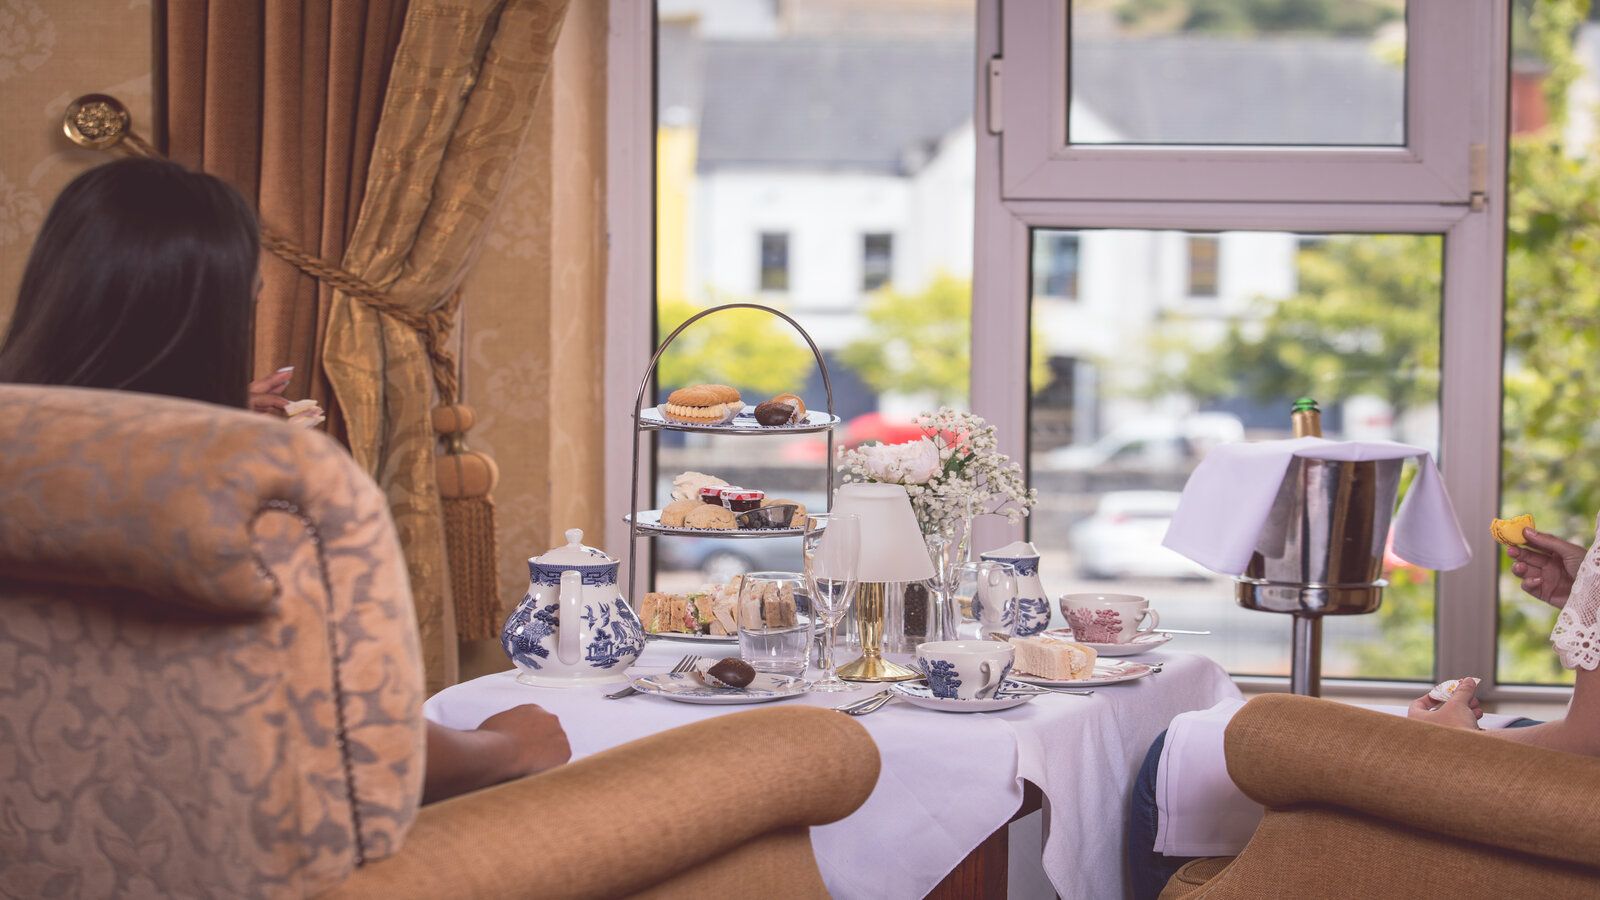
1366	321
1248	17
742	347
921	343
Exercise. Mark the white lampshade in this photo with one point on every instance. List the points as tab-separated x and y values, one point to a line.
892	548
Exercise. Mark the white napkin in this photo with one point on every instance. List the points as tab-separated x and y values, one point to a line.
1227	501
1200	810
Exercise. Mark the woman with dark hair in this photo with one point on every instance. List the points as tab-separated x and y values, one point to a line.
143	278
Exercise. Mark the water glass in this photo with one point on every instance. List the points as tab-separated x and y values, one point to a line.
773	636
989	590
832	550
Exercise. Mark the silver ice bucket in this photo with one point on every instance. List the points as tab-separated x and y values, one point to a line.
1321	552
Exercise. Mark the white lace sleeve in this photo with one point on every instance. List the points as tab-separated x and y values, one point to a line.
1577	633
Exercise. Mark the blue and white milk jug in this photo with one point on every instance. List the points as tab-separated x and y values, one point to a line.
572	627
1033	602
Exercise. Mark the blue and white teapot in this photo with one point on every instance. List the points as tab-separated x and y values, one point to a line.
572	627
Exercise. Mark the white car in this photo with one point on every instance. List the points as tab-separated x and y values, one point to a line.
1123	538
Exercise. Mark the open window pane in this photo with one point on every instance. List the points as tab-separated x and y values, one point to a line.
816	157
1550	450
1226	72
1134	380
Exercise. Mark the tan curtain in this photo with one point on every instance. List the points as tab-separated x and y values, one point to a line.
282	101
461	94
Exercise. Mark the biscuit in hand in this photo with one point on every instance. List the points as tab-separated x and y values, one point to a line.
1509	531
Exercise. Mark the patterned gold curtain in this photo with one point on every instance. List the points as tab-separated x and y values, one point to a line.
460	96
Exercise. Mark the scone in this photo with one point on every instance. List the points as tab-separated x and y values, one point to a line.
1509	531
707	516
676	511
703	404
1053	659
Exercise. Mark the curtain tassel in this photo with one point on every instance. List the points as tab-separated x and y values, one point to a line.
466	478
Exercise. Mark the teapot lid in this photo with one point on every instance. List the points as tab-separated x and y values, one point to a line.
1013	550
574	553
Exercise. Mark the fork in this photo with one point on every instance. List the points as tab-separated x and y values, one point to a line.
684	665
861	707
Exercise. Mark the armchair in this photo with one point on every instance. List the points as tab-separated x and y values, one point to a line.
1365	804
210	686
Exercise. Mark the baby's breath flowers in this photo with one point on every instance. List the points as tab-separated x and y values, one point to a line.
953	472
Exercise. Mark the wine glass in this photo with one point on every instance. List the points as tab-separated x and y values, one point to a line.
832	548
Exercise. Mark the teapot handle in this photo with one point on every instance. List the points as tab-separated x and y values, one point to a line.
571	631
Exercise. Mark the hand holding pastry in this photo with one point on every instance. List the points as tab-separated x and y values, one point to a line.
1547	566
266	394
1460	710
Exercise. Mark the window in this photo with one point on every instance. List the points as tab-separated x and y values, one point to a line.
1083	213
877	261
839	148
1352	319
1203	252
1055	266
774	261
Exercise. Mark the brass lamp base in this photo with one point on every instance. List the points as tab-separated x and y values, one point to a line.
876	668
870	604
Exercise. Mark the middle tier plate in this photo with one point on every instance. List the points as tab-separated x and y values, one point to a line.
650	523
744	423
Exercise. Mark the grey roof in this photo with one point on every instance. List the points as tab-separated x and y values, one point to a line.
879	105
1231	91
859	105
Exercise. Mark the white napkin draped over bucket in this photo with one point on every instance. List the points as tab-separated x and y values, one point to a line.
1227	500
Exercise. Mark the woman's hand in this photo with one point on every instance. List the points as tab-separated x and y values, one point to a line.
1460	711
523	740
266	394
1547	566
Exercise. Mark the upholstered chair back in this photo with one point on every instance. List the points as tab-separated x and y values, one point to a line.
209	675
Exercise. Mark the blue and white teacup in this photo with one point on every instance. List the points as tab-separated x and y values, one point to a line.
965	670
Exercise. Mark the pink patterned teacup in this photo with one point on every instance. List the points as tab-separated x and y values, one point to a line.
1108	618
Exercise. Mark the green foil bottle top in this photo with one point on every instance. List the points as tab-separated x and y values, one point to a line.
1304	404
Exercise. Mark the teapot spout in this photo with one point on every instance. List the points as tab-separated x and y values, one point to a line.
570	632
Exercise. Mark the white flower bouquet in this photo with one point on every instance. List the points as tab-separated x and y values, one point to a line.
954	472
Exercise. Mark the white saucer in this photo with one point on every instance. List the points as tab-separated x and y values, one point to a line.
1144	643
1108	672
689	688
917	693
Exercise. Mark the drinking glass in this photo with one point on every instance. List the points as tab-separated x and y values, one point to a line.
773	636
832	549
989	590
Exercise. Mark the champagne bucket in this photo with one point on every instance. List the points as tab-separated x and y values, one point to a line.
1321	551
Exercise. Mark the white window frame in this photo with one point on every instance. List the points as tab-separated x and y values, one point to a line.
1438	203
1038	162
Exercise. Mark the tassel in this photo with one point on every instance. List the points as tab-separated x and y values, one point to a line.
466	478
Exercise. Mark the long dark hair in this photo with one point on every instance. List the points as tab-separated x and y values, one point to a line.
143	278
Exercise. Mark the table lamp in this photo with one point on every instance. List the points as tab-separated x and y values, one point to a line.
892	551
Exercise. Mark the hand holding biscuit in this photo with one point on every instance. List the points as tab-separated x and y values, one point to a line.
1547	566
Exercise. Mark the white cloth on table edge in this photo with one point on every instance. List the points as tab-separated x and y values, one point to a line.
1200	811
1229	496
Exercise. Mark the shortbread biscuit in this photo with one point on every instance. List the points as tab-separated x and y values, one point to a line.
675	512
715	414
708	516
1509	531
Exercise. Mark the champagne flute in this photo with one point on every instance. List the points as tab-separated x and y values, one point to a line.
832	547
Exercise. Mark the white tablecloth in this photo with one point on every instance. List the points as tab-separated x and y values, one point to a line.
948	780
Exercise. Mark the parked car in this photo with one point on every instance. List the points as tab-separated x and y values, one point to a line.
719	559
1122	539
1155	444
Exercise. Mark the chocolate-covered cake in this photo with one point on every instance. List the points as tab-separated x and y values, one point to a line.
733	672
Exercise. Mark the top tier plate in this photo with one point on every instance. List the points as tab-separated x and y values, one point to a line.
744	423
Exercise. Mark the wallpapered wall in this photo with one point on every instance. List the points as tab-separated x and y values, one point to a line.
533	328
50	52
534	325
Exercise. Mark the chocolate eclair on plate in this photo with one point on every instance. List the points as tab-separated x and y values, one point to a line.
703	404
